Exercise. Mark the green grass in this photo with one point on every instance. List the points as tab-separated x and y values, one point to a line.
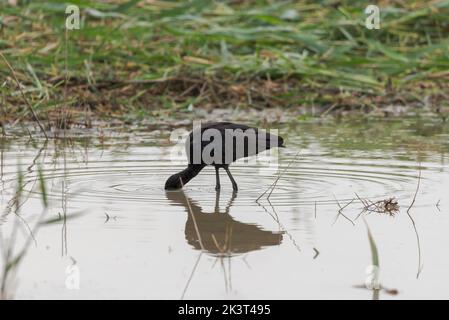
154	58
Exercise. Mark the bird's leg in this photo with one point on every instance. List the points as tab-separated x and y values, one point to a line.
234	184
217	177
217	201
229	205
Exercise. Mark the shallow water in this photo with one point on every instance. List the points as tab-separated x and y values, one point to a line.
122	236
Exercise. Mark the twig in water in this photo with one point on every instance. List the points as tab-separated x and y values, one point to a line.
280	175
340	212
317	253
281	227
274	211
273	185
417	190
30	107
363	201
193	218
388	206
246	262
414	225
438	205
257	200
225	251
191	275
2	113
108	217
365	204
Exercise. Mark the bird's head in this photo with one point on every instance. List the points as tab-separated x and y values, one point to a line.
173	182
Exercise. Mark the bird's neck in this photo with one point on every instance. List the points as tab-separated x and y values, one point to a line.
190	172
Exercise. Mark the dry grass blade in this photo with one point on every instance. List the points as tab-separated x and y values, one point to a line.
417	189
414	224
273	185
275	217
30	107
191	275
340	212
317	253
363	201
193	218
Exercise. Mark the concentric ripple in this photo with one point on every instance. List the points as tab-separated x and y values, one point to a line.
133	169
138	176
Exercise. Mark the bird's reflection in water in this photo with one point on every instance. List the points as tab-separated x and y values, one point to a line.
218	233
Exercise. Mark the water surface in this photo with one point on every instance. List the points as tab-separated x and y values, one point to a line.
129	238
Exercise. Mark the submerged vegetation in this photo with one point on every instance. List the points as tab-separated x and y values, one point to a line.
155	59
13	246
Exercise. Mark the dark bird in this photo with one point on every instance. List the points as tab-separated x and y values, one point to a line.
219	144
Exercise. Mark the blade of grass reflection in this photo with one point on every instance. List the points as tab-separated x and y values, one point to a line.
191	275
374	284
11	259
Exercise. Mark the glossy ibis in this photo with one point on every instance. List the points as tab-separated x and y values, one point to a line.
219	144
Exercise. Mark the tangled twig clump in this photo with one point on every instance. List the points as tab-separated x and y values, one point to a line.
388	206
